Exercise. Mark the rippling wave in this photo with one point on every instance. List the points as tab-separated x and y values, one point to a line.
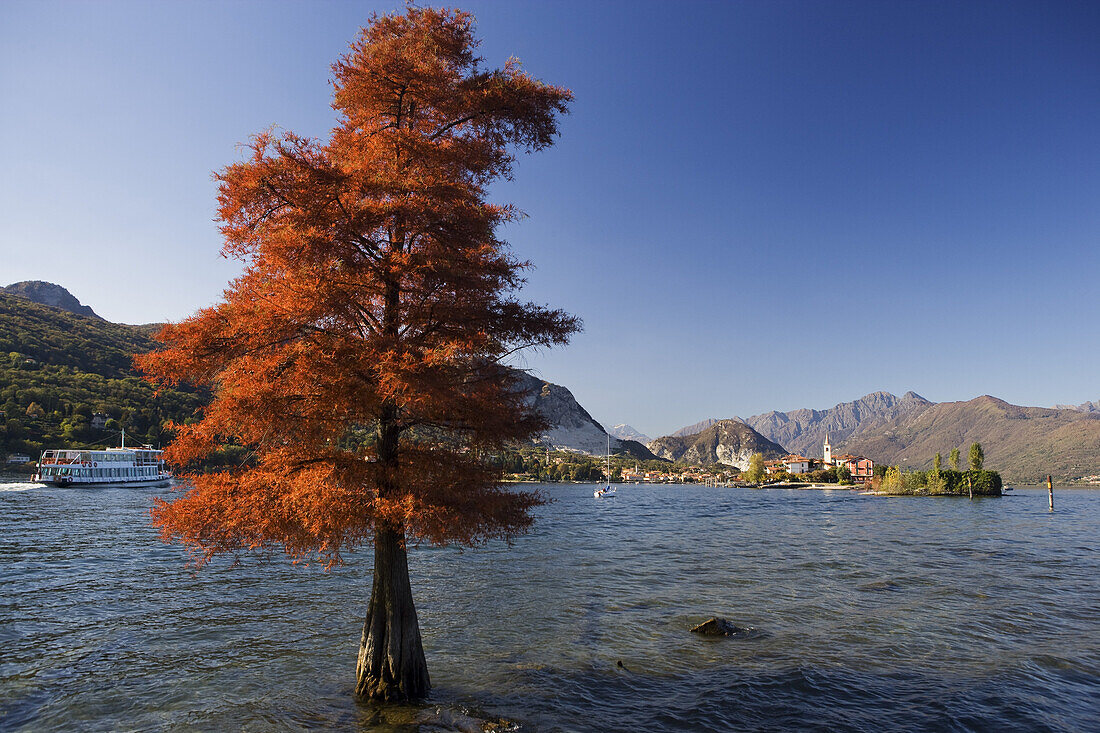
867	613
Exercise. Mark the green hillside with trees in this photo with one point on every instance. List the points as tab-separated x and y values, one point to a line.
57	370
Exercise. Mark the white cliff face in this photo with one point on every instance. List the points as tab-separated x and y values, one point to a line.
733	457
729	455
572	428
728	442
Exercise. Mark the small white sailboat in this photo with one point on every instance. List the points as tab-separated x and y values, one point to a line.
608	489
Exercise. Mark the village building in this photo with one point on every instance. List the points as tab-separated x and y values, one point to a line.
862	469
773	467
798	464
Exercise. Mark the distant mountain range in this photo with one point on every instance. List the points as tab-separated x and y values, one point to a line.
696	428
1024	443
1083	407
729	442
803	431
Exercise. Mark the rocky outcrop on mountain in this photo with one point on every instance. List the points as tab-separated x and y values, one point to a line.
1025	444
696	428
572	428
803	431
55	296
625	432
728	442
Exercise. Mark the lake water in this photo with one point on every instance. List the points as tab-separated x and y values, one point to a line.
866	613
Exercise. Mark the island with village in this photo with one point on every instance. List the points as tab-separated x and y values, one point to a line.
792	471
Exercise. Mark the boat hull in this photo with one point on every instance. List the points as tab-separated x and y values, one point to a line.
68	483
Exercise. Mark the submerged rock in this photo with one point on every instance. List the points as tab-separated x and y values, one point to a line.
464	721
719	626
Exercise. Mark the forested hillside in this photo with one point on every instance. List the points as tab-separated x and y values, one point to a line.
58	369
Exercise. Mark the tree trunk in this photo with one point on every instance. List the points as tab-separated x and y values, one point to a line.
391	663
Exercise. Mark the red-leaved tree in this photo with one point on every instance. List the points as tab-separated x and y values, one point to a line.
358	357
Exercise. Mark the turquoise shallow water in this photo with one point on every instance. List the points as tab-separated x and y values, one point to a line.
867	613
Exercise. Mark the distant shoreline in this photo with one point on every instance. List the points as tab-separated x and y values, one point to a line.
807	487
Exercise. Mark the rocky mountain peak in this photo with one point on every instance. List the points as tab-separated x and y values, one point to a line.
626	432
572	428
52	295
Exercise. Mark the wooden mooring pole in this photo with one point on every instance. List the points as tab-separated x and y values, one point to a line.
1050	492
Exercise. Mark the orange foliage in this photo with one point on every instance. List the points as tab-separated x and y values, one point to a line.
376	299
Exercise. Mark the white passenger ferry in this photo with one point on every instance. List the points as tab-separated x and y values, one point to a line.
111	467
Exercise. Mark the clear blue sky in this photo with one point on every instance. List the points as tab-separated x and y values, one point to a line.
753	206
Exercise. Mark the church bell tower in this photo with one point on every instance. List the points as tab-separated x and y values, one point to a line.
828	451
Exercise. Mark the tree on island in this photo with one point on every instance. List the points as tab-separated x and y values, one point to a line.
953	459
755	472
937	462
976	457
358	356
